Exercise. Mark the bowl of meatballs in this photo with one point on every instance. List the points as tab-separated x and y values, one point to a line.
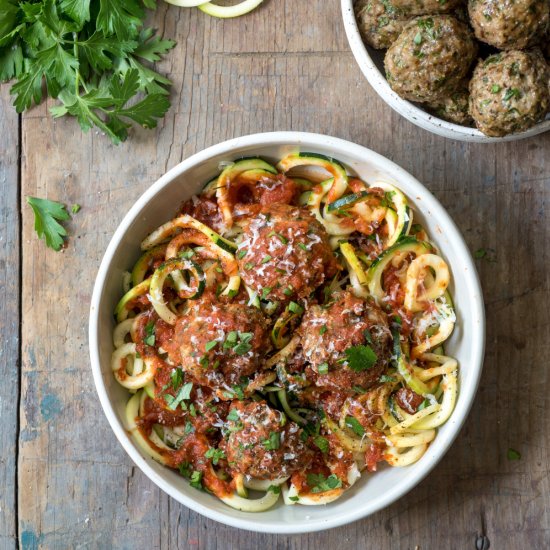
259	361
473	71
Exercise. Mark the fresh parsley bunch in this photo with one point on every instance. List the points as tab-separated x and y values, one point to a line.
90	55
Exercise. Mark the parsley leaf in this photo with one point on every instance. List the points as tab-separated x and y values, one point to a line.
322	443
274	441
360	358
150	334
512	454
47	214
353	423
215	454
319	483
182	395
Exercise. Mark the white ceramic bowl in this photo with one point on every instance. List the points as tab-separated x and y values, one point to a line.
158	205
371	63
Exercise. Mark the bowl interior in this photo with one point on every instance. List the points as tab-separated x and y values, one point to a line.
159	204
371	63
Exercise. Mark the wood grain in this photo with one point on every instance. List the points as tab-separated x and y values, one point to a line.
9	316
284	67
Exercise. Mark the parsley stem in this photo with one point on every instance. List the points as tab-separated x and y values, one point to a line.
77	76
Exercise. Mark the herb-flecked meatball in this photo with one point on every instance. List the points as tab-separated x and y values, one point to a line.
218	343
425	7
453	107
509	24
346	342
430	58
261	443
509	92
285	253
380	22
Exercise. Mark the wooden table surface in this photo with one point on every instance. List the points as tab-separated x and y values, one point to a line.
65	480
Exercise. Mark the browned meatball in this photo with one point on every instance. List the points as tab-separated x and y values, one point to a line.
430	58
380	22
285	254
260	443
218	343
509	24
509	92
424	7
453	107
346	343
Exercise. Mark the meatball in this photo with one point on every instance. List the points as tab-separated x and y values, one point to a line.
453	107
430	58
327	334
380	22
260	443
219	343
509	92
509	24
424	7
285	254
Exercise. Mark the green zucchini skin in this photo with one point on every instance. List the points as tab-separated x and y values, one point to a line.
403	368
347	201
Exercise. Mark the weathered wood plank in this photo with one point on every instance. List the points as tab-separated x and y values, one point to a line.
9	315
280	68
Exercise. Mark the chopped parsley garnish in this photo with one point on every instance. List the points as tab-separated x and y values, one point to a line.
211	345
495	89
248	266
176	377
236	392
189	428
274	441
294	499
293	307
185	469
487	254
239	342
322	443
386	378
319	483
275	489
196	480
322	330
355	426
233	415
150	334
242	253
512	454
183	394
302	246
75	208
322	368
511	93
265	292
360	358
266	259
215	454
283	239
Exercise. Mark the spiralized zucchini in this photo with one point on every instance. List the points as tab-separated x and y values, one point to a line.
382	261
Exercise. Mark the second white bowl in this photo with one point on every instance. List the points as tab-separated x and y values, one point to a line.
371	63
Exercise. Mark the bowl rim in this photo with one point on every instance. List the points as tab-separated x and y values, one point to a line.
283	138
409	110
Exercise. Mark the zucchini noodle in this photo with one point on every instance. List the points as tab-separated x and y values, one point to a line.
282	335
